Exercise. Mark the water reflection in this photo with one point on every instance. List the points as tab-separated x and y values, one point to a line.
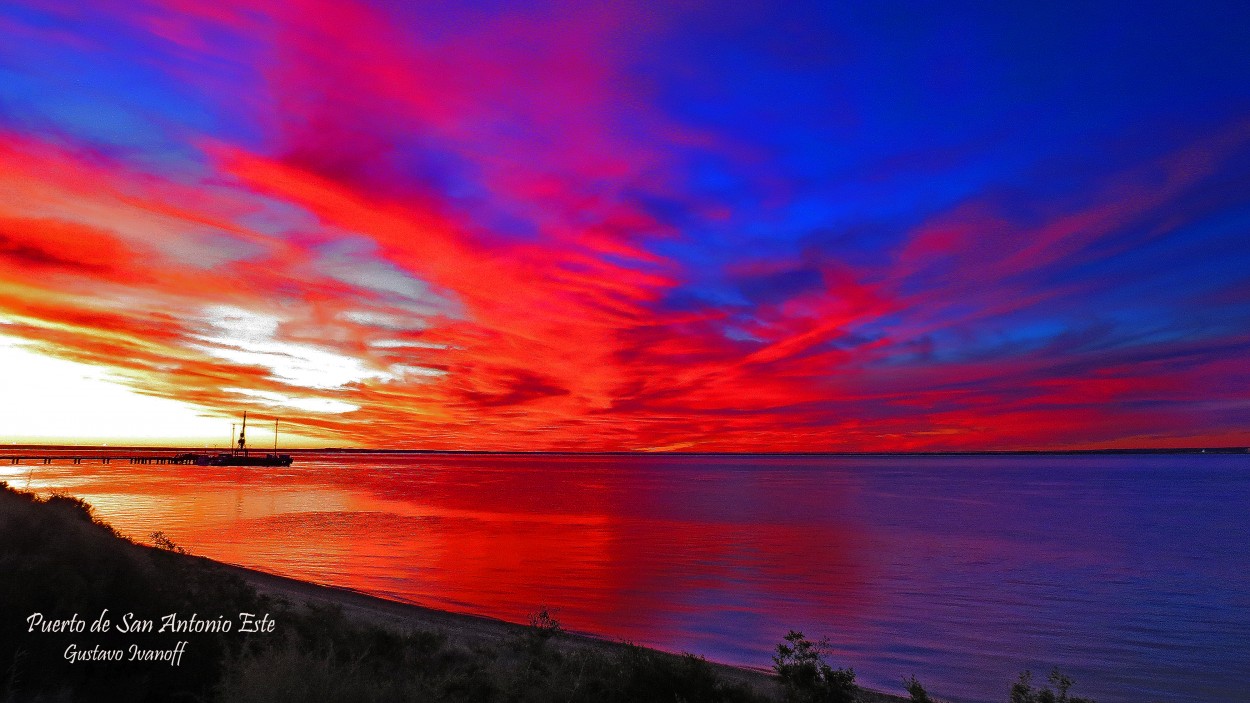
961	570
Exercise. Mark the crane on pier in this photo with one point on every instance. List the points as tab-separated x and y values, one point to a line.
242	438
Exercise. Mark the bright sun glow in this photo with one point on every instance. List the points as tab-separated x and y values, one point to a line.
53	401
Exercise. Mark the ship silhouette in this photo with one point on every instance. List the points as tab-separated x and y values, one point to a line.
239	455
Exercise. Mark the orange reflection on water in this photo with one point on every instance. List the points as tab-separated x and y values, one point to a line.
964	569
624	549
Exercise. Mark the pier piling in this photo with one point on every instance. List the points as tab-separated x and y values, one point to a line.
184	458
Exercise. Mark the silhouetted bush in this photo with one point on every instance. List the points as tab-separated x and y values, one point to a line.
807	677
916	691
542	628
160	540
656	676
1022	690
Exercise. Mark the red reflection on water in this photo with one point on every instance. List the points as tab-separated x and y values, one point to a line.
963	570
651	551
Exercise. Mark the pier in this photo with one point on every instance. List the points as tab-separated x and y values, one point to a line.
183	458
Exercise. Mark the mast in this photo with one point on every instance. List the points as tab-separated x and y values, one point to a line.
242	438
231	445
275	435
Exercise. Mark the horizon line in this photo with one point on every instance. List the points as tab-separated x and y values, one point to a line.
1232	449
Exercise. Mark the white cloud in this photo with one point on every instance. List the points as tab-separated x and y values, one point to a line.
405	344
245	337
356	262
384	320
406	370
307	404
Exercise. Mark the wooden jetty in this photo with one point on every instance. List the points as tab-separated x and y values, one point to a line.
237	456
182	458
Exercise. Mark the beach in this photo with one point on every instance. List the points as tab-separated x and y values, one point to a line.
471	630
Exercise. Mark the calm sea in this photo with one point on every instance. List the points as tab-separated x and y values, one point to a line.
1129	573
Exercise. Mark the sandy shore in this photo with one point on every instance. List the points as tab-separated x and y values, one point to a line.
467	630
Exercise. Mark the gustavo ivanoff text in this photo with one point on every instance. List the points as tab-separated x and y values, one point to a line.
133	653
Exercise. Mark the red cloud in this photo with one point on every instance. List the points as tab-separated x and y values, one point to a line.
449	330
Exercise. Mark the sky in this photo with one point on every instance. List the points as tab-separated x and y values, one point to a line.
746	226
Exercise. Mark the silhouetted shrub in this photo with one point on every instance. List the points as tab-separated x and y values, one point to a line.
917	692
160	540
543	626
1022	690
656	676
807	677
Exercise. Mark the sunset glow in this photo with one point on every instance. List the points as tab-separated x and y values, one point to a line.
558	226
